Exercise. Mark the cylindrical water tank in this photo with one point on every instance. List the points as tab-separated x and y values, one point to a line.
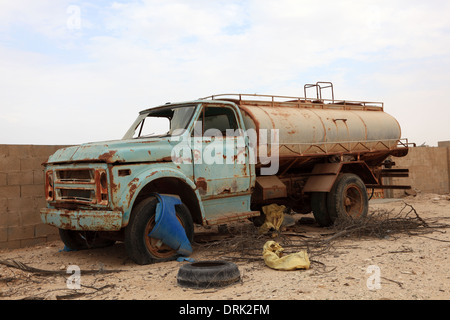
331	130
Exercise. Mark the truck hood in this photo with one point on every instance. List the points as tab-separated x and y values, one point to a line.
117	151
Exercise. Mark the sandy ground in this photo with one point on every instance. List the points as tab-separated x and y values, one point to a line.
409	267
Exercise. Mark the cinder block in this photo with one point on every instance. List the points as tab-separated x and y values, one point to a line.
3	179
19	233
18	178
424	163
31	190
34	163
9	164
10	245
30	217
4	150
3	245
45	151
21	204
20	151
38	177
444	144
54	237
32	242
3	234
39	202
3	219
9	192
45	230
13	219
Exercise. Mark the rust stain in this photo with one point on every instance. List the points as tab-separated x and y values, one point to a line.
108	156
224	191
132	186
114	186
202	185
152	174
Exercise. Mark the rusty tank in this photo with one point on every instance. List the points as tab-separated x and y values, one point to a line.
309	129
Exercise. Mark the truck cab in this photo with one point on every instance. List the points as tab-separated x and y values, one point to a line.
92	189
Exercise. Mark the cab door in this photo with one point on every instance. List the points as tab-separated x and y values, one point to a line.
222	171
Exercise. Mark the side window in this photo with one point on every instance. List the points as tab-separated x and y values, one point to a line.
220	119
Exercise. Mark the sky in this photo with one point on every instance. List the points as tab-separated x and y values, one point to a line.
80	71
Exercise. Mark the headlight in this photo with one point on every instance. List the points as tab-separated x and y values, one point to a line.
49	186
101	180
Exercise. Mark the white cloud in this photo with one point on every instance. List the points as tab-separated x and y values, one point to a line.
130	55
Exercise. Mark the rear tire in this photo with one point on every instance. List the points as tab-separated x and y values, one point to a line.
348	198
143	249
320	210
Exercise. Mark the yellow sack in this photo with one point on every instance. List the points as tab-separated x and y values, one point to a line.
274	218
273	257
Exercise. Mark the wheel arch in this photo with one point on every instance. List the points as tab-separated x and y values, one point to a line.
324	175
361	169
173	186
164	182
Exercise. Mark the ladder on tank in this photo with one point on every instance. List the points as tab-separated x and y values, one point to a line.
320	85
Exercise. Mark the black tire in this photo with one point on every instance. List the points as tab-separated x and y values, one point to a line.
208	274
145	250
82	240
320	210
348	198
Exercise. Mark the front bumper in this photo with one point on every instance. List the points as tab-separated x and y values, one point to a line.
82	220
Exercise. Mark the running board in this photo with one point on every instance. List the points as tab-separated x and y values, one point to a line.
230	217
376	186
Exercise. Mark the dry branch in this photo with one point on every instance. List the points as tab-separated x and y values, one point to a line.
21	266
245	242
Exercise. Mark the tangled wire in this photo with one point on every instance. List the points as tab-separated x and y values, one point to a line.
244	242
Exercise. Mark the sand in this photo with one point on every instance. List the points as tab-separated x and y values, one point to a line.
397	267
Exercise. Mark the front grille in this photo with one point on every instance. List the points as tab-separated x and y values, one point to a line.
81	186
76	176
76	195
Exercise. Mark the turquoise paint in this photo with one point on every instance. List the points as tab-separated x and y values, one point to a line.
145	160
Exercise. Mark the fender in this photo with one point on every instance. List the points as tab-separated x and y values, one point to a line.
128	192
324	175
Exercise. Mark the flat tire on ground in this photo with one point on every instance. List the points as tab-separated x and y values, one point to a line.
208	274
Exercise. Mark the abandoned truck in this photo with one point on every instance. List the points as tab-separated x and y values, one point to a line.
309	154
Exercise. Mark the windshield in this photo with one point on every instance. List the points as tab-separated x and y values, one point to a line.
161	122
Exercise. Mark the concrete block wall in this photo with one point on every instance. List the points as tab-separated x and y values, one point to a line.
428	170
22	187
446	144
22	195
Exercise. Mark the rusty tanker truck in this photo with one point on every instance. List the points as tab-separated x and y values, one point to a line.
220	159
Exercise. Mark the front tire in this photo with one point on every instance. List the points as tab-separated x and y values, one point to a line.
143	249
